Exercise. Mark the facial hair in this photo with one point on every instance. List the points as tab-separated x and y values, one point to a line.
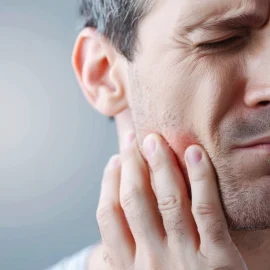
244	189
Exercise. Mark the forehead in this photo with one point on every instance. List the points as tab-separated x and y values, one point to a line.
172	18
194	10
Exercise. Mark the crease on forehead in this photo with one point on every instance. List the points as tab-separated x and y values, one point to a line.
197	12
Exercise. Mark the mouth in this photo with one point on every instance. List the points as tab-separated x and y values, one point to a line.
262	143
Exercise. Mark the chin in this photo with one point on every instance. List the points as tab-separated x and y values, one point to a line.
247	206
245	192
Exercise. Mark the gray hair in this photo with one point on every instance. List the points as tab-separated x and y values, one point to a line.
117	20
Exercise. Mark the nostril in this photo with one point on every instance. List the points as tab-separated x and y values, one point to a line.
264	103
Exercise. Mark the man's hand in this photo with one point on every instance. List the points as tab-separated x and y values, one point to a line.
147	220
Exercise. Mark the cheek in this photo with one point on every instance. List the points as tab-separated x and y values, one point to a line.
215	97
179	142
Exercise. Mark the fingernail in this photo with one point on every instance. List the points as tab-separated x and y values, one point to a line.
129	138
113	163
149	146
193	155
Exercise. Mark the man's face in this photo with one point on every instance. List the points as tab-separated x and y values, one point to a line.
202	75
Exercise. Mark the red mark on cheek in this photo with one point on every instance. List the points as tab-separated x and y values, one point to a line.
179	142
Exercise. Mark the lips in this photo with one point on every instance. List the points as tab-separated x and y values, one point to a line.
262	143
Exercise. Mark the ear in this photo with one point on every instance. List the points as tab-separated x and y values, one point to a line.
97	67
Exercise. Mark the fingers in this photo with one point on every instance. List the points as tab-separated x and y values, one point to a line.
122	135
115	234
171	193
206	205
137	198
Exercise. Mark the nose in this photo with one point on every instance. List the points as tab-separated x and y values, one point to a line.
257	92
257	95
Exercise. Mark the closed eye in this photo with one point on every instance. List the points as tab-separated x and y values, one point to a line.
231	43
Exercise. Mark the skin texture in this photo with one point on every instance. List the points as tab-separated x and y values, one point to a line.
156	228
190	92
229	87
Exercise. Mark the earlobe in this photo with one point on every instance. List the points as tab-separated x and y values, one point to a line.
95	64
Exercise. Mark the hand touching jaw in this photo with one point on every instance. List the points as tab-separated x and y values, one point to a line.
157	227
200	74
201	79
253	245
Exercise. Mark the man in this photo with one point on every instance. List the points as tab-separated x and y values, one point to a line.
191	78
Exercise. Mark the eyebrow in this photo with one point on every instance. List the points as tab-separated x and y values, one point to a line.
236	22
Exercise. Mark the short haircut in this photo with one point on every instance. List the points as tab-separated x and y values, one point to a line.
117	20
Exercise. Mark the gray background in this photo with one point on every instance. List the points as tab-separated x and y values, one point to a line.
53	146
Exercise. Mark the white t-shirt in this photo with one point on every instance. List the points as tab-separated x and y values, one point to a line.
77	262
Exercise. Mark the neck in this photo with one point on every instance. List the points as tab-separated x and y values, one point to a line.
254	247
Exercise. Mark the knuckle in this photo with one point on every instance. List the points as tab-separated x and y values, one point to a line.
204	209
170	209
106	217
130	198
169	203
224	268
105	214
215	265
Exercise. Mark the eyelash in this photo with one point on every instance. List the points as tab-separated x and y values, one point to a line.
230	43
